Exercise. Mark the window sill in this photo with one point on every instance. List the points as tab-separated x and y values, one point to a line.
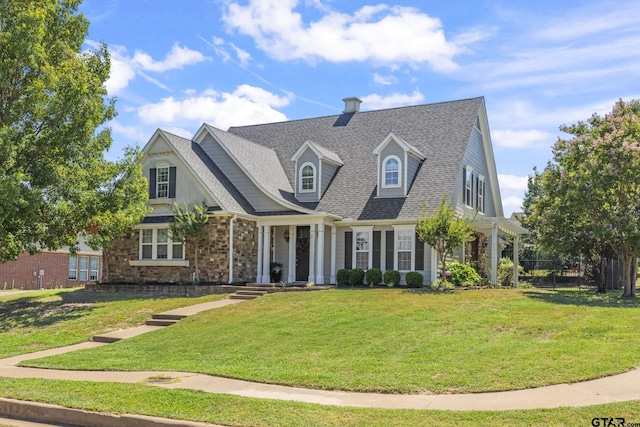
161	201
159	263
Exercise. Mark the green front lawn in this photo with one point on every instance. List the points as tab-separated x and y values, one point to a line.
240	411
392	341
41	320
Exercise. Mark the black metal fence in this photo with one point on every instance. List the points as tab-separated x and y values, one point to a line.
568	273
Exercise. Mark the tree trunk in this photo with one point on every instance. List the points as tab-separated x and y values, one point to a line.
195	261
105	263
627	271
602	284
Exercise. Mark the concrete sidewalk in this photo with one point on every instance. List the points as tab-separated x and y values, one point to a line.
617	388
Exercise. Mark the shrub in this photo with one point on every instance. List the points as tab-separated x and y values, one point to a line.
442	285
463	274
391	277
505	271
373	276
414	279
342	277
356	277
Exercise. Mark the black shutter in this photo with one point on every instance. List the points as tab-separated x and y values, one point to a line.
477	192
152	183
389	250
172	182
419	254
348	249
377	246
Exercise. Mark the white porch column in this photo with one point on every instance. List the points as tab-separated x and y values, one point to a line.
494	252
259	269
516	260
266	254
312	253
434	264
292	254
332	278
320	257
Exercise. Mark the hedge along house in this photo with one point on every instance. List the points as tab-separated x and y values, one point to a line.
318	195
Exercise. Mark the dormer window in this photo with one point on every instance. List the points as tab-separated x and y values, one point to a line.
392	171
308	178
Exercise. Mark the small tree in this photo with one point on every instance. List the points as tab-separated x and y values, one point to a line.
189	228
443	231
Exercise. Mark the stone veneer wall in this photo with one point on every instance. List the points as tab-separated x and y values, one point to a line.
213	260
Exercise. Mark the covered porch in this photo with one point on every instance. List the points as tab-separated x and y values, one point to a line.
303	248
494	228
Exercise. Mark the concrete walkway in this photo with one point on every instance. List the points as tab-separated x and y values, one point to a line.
617	388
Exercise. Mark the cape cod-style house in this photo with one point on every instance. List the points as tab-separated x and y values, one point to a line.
318	195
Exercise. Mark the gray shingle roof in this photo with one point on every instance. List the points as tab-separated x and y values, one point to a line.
439	131
212	177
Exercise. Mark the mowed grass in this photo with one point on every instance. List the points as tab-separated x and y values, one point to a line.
41	320
392	341
241	411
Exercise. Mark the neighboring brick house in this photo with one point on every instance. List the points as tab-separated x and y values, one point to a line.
52	269
318	195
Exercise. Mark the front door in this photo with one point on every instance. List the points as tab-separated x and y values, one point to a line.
302	253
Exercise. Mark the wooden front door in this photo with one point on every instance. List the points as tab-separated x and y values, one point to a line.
302	253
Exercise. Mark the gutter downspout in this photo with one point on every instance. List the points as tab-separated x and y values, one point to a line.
231	222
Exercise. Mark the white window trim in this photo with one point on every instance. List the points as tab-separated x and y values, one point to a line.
74	269
81	270
384	172
397	229
362	229
481	197
158	182
97	270
154	246
469	179
315	178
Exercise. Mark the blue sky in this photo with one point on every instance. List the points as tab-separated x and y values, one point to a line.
538	64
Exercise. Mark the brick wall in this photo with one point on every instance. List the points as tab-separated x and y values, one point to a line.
213	259
19	274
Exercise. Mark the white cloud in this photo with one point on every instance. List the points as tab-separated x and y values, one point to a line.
176	59
124	68
246	105
135	133
511	204
531	138
377	102
513	182
384	80
382	34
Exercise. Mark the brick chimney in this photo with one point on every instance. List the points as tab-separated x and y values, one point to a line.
352	105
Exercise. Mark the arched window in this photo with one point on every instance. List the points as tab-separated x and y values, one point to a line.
307	178
392	169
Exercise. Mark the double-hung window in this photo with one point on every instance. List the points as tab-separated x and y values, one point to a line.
404	247
362	247
73	267
468	186
480	192
162	182
84	267
156	244
94	264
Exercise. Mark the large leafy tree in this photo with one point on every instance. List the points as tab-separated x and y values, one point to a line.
590	196
55	181
443	231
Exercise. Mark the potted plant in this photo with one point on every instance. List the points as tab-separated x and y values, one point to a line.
276	272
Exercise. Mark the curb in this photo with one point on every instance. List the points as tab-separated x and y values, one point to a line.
43	412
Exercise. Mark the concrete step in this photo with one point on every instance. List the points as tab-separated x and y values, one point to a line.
105	338
247	297
260	285
161	322
251	292
166	316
